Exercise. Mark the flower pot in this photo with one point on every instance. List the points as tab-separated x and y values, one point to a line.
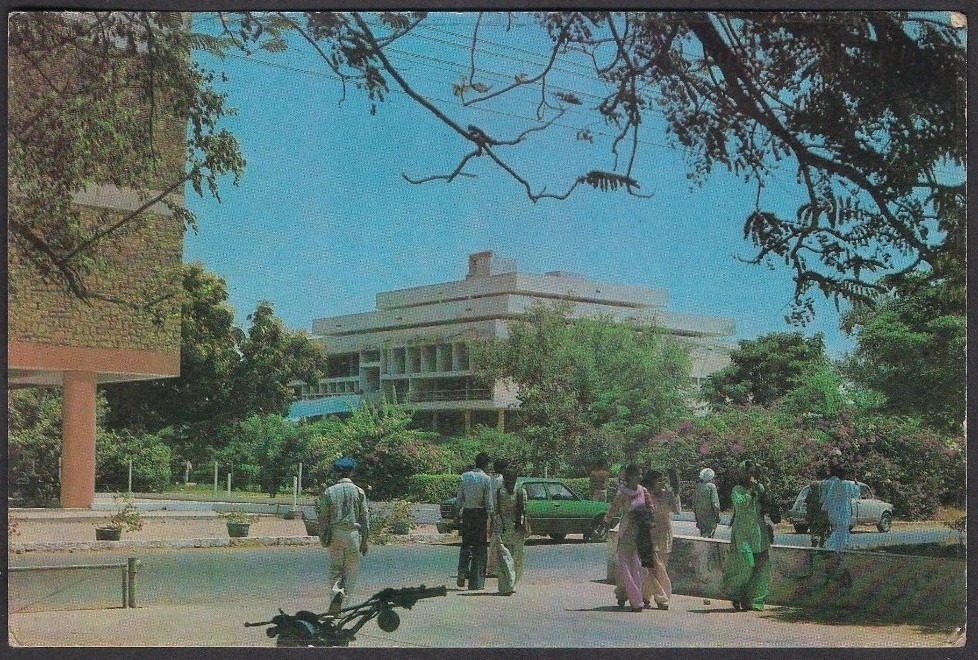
401	527
238	530
107	534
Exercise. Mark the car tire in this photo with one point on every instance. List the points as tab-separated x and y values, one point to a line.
558	537
801	529
886	520
598	532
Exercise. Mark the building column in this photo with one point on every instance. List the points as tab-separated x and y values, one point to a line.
501	420
78	440
467	416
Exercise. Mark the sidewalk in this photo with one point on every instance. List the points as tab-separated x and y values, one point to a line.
54	530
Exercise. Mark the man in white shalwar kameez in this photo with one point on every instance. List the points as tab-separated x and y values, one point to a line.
837	495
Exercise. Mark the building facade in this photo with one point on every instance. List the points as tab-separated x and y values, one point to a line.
414	348
56	339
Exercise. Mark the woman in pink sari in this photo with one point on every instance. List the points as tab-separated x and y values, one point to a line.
632	502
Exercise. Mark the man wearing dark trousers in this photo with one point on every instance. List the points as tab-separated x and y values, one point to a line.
475	502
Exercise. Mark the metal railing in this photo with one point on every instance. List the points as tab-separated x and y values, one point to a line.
129	570
452	395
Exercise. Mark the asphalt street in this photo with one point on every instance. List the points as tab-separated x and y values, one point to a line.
203	597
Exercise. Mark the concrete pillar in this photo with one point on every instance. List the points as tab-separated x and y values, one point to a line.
467	416
501	421
78	440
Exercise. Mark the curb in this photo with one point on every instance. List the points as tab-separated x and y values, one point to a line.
247	542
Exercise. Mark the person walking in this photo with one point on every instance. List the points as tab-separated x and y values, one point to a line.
598	481
474	500
747	571
706	504
508	543
665	502
836	495
634	504
344	526
498	466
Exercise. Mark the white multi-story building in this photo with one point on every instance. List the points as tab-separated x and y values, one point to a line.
414	348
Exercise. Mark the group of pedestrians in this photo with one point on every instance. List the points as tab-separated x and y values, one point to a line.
493	525
646	504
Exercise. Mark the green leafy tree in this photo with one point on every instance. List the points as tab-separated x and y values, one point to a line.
198	398
379	438
845	101
271	356
151	461
574	377
99	98
33	445
266	450
763	370
911	350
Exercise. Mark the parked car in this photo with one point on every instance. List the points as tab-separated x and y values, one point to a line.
553	509
866	510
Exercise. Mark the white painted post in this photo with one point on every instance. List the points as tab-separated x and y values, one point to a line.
130	477
299	486
229	483
295	492
186	474
215	477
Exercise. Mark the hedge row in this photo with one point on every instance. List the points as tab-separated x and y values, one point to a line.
434	488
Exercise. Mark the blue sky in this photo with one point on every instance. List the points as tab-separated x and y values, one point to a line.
322	219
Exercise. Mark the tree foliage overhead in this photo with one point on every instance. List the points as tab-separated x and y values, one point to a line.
577	378
867	108
105	98
911	348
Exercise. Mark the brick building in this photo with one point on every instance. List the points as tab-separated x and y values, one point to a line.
56	339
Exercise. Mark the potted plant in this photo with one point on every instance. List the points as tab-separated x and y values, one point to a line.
127	516
239	522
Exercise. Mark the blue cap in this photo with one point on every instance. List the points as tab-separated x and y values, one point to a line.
345	463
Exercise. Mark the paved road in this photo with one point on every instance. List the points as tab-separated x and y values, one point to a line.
203	597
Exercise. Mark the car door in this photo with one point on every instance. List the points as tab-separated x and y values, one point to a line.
565	512
867	506
538	508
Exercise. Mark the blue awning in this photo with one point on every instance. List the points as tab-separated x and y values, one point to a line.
329	405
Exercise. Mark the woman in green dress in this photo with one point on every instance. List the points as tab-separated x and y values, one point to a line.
747	572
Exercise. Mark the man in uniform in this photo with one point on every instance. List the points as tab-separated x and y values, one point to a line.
344	526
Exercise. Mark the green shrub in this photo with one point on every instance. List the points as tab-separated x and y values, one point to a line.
431	488
150	462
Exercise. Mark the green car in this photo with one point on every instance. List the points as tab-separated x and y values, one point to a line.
554	511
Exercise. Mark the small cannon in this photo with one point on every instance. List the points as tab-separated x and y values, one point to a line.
306	628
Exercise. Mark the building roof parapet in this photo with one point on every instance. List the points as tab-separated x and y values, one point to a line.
556	286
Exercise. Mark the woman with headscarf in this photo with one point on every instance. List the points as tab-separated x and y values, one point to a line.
747	572
706	504
634	504
665	502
